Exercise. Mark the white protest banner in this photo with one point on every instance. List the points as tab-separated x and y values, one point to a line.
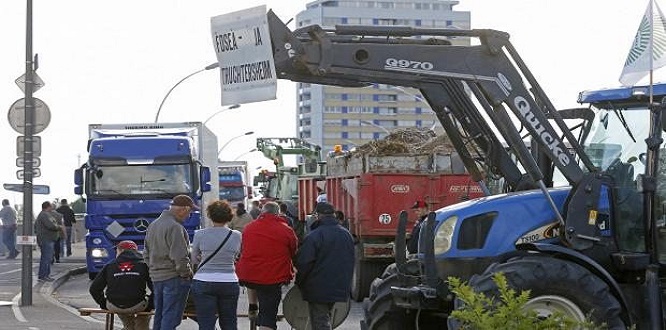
243	47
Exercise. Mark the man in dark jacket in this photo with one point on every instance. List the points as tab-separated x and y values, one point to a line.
421	211
69	219
324	264
125	280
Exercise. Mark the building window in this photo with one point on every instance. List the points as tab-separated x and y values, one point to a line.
387	97
332	122
388	111
386	21
331	136
385	5
344	122
331	21
345	135
333	96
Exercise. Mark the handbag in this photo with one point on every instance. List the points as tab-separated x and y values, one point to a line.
189	303
215	252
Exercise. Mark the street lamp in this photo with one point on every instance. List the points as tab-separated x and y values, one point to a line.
369	123
209	67
245	153
233	106
233	138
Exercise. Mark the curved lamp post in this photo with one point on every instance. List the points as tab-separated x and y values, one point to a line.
245	153
209	67
233	138
369	123
233	106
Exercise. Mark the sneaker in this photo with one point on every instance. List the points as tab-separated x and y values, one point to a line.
49	279
45	279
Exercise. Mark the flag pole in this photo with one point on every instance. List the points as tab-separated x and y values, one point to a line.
650	50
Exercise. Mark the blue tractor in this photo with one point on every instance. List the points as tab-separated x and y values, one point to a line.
581	219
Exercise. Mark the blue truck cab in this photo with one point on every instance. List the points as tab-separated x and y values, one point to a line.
132	173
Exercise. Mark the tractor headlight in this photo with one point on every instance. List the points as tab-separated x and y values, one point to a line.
444	235
98	253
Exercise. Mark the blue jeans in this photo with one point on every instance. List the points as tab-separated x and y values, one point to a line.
170	298
9	238
216	297
320	315
68	230
269	297
46	251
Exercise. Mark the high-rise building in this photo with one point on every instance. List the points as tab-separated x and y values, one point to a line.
328	115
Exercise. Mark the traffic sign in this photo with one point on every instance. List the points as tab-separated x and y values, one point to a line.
37	82
36	188
16	116
36	173
36	146
20	161
26	240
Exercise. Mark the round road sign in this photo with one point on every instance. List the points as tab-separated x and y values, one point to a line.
16	116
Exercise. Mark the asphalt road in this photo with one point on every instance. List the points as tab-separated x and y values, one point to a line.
74	294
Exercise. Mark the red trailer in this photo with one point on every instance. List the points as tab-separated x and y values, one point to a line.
372	190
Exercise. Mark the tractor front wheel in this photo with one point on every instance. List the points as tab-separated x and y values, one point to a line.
556	286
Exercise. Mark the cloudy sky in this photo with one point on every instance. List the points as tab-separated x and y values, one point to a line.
114	61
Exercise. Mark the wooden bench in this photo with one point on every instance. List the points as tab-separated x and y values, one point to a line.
110	316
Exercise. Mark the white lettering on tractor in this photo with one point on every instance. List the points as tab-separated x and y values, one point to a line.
552	142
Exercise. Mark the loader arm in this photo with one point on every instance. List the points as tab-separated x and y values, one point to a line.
482	94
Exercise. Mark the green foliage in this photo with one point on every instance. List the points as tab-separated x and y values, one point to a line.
481	312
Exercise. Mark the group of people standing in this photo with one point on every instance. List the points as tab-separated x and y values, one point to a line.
53	228
262	255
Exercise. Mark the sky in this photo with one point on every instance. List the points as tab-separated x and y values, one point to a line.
114	62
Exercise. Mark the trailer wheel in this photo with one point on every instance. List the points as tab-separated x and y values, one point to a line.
364	273
555	285
379	311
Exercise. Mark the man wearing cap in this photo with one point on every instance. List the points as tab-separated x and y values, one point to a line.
421	210
166	252
324	266
125	279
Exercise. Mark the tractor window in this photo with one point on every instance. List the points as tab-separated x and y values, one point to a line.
474	231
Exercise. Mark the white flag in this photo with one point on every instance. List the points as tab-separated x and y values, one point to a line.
650	40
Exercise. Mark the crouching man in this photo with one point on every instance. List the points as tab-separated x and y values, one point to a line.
125	280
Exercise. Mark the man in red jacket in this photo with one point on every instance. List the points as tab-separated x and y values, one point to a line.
267	249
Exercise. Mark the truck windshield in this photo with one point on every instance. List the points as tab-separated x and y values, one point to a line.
232	193
130	181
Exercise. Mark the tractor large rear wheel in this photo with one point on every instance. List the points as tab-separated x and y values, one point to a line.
380	313
555	286
364	273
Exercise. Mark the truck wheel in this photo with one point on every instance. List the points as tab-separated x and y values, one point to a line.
364	273
555	285
380	313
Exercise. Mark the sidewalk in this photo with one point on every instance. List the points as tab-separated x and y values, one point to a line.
46	312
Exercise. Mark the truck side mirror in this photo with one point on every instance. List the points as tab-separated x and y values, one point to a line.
78	181
205	179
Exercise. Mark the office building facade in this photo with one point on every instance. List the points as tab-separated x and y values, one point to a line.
328	115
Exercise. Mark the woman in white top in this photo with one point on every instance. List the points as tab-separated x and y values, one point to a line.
215	286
